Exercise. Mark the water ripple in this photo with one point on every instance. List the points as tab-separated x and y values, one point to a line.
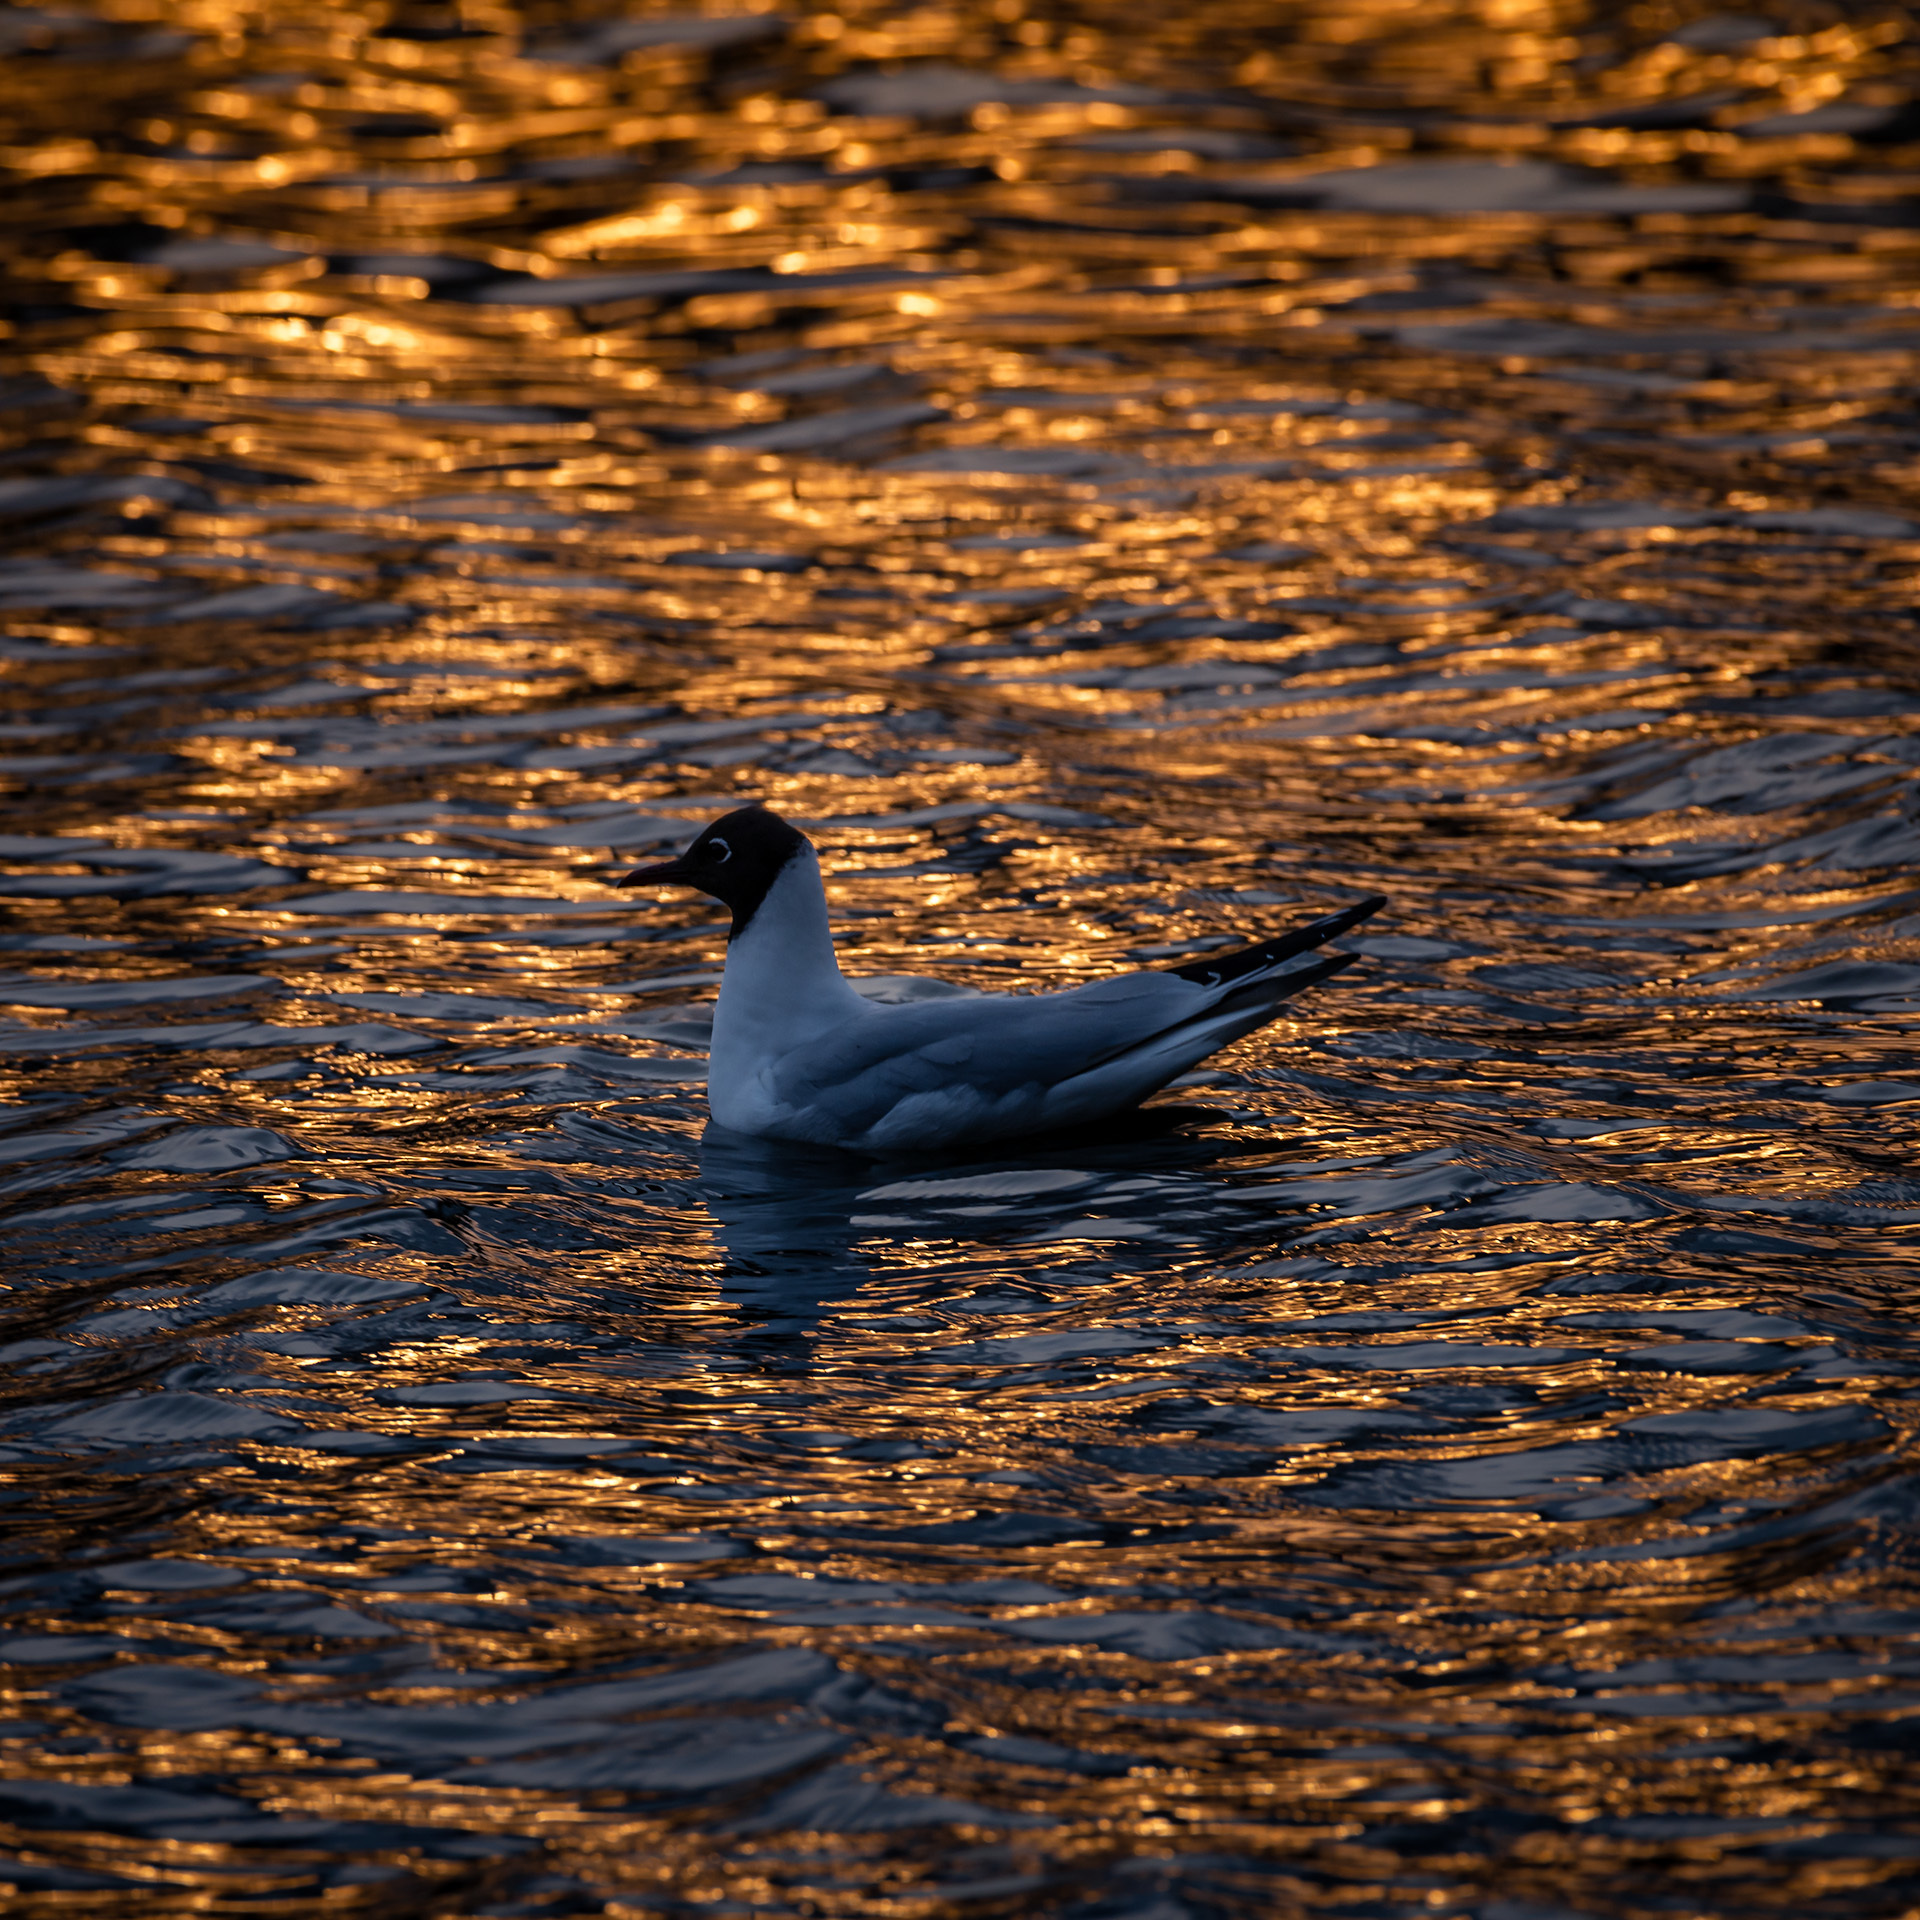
1121	486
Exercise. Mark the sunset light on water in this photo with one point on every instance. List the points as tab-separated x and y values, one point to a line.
1124	482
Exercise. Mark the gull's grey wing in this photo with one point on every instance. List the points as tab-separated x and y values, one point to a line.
991	1055
983	1051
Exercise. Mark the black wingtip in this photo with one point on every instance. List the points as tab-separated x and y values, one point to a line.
1263	991
1335	924
1224	969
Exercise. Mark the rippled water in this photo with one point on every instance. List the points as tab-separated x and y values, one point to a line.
1125	482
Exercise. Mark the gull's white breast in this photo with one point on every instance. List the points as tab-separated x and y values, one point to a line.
783	989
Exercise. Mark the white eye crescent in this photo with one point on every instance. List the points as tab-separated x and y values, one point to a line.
719	852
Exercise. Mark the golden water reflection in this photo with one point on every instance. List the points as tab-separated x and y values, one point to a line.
1124	483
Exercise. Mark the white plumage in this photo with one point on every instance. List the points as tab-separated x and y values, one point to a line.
799	1054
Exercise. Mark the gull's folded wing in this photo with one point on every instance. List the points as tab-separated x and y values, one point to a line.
1002	1054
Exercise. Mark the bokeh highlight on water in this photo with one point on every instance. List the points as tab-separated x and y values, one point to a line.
1125	480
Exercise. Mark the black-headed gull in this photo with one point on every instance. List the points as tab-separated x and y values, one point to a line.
799	1054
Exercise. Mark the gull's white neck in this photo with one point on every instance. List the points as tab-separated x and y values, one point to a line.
783	983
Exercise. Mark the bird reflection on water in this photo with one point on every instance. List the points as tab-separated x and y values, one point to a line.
783	1217
792	1219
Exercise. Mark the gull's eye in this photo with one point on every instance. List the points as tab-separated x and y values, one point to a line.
719	852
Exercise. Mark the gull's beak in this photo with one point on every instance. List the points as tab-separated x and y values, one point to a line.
669	873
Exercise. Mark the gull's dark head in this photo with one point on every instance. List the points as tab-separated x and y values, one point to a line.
735	860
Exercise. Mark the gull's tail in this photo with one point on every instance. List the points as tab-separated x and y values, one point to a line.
1239	992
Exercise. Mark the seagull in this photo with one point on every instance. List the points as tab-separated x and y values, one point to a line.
799	1054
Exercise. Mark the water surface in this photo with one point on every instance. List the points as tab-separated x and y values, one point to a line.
1125	482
